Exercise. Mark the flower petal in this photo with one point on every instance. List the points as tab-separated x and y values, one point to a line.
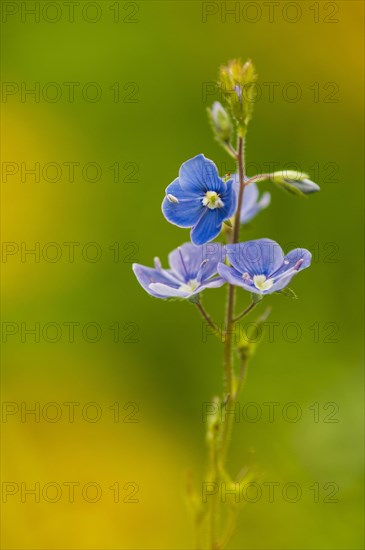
196	262
207	228
287	271
187	211
234	277
292	258
247	213
165	291
186	260
216	282
229	198
258	257
147	275
251	192
308	186
213	253
251	204
199	175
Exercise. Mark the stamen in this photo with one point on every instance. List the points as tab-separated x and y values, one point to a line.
201	270
157	263
298	264
172	198
289	272
190	286
262	283
212	200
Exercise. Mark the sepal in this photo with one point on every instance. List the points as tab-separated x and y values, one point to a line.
256	298
288	293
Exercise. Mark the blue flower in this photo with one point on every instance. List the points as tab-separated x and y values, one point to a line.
251	204
192	269
261	267
199	199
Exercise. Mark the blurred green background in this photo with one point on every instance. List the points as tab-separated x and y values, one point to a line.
163	54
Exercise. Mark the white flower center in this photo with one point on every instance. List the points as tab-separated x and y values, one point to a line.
262	283
212	200
190	286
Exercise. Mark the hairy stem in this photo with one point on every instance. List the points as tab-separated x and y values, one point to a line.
230	150
241	176
229	376
228	358
259	177
246	311
208	318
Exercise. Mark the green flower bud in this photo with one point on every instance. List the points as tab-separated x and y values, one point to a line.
221	122
237	81
295	183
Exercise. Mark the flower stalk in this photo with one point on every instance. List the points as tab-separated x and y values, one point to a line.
230	395
210	205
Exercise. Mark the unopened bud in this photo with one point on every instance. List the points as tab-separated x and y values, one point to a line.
221	122
237	81
295	183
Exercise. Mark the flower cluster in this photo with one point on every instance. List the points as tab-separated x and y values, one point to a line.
199	199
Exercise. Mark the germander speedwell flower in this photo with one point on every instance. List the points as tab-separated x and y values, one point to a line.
199	199
192	269
261	267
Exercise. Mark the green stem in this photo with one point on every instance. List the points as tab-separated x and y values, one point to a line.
241	176
229	376
228	359
214	504
228	363
259	177
231	523
208	319
230	150
246	311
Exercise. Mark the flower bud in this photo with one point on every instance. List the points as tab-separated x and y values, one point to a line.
221	122
236	81
295	183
